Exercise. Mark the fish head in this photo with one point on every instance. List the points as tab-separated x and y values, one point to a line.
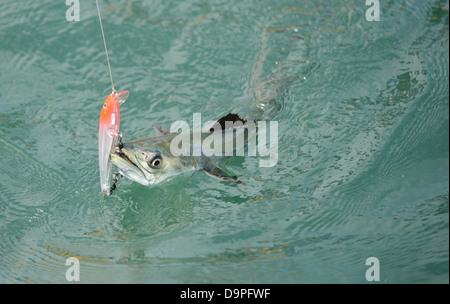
145	163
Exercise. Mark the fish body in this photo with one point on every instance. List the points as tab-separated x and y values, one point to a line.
108	131
151	161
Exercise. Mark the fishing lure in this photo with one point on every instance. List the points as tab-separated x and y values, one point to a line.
108	132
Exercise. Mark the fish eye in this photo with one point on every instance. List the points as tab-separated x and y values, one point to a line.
156	162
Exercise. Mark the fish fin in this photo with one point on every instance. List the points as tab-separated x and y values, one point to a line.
221	175
229	117
161	130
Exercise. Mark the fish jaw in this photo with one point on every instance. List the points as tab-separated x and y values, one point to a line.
126	164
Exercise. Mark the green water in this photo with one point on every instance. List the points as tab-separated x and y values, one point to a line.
363	167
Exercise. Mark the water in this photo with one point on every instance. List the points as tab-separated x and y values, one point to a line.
363	168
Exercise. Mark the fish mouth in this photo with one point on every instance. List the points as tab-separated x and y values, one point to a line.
124	156
125	162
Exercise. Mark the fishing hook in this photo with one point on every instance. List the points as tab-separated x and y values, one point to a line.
116	177
120	145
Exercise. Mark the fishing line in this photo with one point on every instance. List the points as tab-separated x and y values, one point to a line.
106	49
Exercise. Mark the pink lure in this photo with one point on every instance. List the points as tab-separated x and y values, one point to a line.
107	136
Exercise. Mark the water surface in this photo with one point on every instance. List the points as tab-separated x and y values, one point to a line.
363	166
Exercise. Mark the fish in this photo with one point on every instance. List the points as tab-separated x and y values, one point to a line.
108	133
150	161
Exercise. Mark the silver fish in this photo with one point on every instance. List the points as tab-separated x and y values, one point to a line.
150	161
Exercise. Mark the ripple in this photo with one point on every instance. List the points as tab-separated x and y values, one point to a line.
363	150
